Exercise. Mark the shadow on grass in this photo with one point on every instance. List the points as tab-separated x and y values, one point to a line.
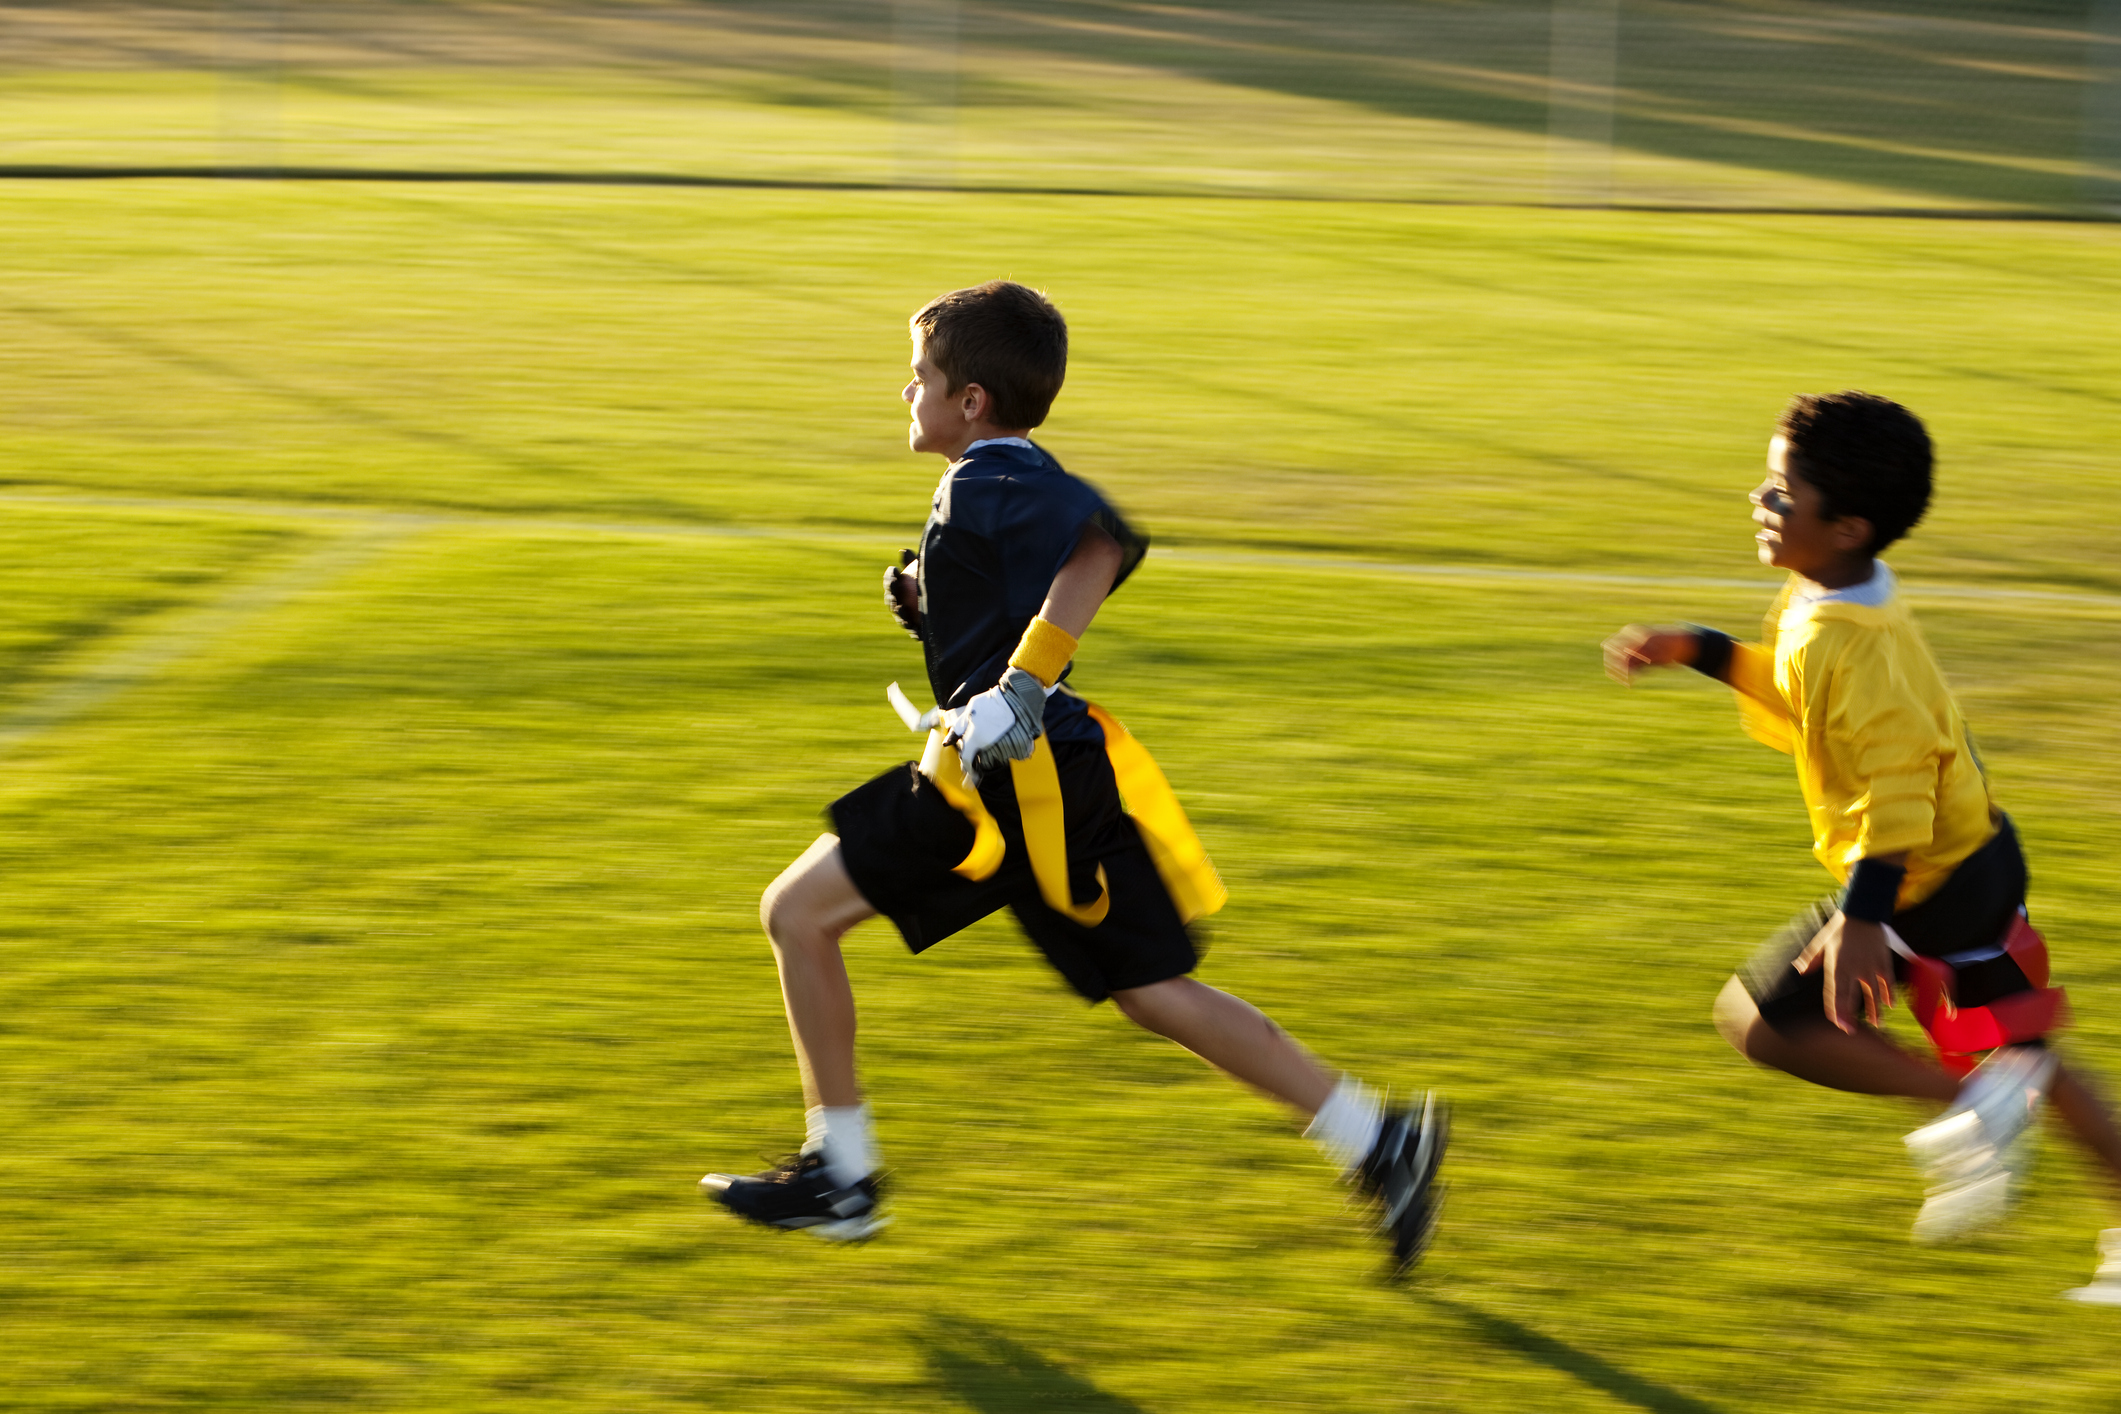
987	1371
1560	1355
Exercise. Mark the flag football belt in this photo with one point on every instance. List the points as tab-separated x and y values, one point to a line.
1181	860
1961	1033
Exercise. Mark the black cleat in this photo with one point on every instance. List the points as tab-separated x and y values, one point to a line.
799	1193
1400	1173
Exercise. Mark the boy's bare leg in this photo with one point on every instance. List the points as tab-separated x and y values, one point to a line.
1869	1064
2083	1109
2085	1112
1866	1063
1232	1035
806	911
1393	1157
831	1187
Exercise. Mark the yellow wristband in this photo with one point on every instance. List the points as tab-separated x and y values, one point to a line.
1044	651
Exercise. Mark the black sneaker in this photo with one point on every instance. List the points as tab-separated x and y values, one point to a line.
799	1193
1401	1174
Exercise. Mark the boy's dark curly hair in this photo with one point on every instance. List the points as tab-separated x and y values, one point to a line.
1868	456
1006	337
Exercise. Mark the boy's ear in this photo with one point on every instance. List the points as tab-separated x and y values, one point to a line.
974	400
1852	534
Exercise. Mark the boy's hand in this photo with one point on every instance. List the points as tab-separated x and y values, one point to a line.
1003	723
1639	646
902	592
1858	962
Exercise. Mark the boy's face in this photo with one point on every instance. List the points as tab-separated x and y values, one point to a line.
1795	534
944	421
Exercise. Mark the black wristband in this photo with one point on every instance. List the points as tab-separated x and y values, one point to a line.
1872	891
1712	651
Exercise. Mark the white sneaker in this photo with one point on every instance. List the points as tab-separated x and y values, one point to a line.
2105	1289
1975	1156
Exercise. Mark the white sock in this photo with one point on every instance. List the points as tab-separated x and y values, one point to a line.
842	1132
1347	1124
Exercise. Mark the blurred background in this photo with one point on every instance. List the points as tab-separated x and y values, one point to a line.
447	456
1980	104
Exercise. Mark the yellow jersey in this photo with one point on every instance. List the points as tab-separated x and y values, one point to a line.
1850	689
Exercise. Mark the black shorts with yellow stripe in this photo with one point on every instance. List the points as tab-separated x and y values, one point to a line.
901	841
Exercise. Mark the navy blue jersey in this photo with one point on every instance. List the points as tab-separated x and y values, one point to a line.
1004	520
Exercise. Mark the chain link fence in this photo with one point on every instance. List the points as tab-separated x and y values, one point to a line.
1954	105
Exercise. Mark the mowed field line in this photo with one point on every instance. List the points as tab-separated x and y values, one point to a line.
365	519
359	533
163	639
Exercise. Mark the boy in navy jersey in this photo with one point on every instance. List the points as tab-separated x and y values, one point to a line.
1017	802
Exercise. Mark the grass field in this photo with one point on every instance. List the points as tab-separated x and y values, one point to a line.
429	616
1968	104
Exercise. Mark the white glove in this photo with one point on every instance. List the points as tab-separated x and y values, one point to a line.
1003	723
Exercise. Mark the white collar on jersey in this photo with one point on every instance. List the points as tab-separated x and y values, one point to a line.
1875	592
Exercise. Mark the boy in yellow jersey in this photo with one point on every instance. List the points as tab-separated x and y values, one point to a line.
1018	801
1934	881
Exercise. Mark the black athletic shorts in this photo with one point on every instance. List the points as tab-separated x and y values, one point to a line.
1969	914
900	840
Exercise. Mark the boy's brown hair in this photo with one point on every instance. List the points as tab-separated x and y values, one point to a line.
1005	337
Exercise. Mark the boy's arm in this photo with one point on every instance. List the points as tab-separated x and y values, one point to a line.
1004	722
1639	646
1852	947
902	592
1750	669
1747	668
1080	588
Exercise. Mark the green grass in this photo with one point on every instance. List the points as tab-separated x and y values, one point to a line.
73	586
379	972
1598	388
1970	104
